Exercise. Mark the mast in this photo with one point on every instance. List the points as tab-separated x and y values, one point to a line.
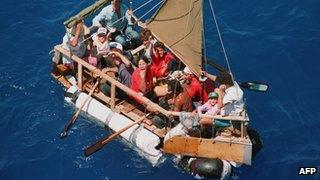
202	77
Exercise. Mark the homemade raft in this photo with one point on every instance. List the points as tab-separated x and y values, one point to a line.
211	156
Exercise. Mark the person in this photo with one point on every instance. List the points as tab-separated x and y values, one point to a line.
230	94
181	100
73	41
118	64
162	61
209	108
142	78
176	99
118	16
101	41
194	88
148	41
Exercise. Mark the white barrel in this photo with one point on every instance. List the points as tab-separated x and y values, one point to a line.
145	140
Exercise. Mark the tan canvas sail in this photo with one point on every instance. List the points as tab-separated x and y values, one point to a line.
179	25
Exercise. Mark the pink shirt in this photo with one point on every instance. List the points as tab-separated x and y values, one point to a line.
208	109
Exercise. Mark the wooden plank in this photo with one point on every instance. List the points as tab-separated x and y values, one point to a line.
62	80
207	148
127	107
113	96
79	76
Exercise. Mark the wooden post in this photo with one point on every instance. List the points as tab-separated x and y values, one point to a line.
80	76
242	129
113	96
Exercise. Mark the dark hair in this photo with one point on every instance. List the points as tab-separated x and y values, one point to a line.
159	44
144	58
145	34
174	86
224	78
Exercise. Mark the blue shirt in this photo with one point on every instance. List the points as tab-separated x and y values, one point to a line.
110	16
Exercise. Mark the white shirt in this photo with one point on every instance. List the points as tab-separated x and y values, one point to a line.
233	100
102	48
110	16
78	50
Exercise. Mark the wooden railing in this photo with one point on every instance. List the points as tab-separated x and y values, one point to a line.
114	83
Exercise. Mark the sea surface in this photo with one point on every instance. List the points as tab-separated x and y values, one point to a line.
276	42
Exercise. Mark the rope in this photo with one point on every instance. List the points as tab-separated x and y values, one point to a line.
133	11
220	38
151	9
125	16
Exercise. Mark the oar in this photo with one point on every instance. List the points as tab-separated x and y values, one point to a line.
102	142
250	85
76	114
254	86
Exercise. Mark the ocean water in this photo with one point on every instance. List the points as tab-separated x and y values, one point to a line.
272	41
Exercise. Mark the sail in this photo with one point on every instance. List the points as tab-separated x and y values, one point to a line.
178	24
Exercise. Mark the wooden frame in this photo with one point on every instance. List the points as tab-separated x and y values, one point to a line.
238	150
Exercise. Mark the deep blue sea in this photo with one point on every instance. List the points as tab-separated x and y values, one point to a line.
272	41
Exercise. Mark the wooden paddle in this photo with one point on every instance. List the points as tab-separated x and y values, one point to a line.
250	85
102	142
76	114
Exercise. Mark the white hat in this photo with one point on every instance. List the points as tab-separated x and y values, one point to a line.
115	45
102	30
186	70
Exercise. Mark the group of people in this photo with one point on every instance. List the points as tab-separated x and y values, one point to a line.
112	50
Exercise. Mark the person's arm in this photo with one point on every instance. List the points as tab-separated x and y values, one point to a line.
178	102
114	69
111	30
130	15
123	58
220	98
210	76
101	16
75	40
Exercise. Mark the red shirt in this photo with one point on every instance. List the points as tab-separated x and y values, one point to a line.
136	80
159	65
195	90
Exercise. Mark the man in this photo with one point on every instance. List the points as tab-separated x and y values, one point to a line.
119	64
118	16
194	88
230	95
176	99
162	61
73	41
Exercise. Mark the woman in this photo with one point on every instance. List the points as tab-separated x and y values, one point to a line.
142	78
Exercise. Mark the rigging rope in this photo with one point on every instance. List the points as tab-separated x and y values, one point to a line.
151	9
125	16
204	42
220	38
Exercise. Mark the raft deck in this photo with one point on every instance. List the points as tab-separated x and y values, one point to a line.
237	149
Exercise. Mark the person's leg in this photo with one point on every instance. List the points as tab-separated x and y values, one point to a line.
105	89
123	40
133	36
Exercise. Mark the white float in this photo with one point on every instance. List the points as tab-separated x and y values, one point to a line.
137	135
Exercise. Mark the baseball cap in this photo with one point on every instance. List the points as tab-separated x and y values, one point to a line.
102	31
213	95
115	45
